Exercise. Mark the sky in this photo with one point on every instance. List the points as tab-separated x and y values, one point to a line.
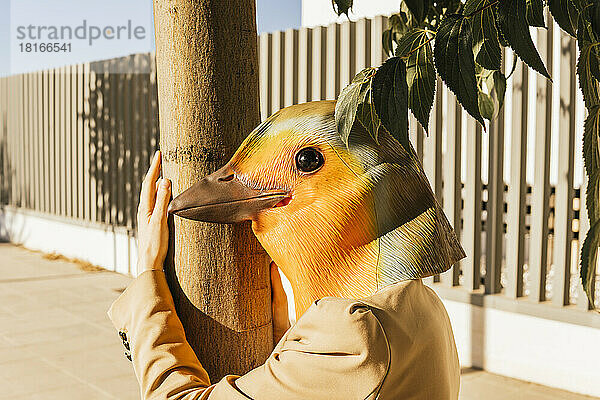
123	27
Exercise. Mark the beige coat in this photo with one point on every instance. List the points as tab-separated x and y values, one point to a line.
395	344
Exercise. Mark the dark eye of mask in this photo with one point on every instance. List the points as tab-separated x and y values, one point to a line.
309	159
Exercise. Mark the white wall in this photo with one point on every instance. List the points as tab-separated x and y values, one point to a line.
547	352
114	250
320	12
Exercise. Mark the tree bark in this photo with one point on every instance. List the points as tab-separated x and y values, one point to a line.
207	70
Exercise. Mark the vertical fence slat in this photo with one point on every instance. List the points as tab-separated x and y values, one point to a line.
304	65
5	185
471	265
563	205
30	116
24	140
137	99
14	127
515	230
63	142
363	44
540	192
90	180
104	179
290	80
23	156
32	131
20	141
265	66
432	149
452	184
495	202
46	141
60	134
332	61
277	71
112	114
14	142
52	139
39	116
27	117
128	133
10	155
74	142
3	150
319	71
69	142
378	25
28	112
347	53
583	302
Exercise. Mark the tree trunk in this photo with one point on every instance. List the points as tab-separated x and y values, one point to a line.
207	68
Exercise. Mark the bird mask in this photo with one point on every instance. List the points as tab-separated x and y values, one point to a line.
339	219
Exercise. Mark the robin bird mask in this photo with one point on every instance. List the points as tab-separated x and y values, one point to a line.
339	220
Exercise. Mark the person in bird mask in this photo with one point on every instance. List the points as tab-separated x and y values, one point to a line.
354	227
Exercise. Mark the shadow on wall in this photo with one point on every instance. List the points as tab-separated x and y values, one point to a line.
88	165
123	129
11	229
6	178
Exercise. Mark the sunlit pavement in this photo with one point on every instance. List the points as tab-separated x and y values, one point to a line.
56	341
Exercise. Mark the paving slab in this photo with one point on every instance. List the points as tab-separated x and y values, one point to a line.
56	341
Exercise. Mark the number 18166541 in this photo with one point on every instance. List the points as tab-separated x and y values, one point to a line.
55	47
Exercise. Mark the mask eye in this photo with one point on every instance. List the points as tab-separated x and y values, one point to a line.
309	159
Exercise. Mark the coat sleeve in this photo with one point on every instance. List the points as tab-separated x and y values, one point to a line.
337	350
164	363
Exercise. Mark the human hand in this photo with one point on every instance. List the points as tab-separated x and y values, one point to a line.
153	232
281	320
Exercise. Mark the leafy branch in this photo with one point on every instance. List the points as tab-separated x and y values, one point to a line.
460	41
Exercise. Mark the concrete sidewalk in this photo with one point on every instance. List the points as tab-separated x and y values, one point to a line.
56	341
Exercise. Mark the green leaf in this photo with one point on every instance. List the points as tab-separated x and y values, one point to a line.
387	42
453	55
587	69
591	157
501	39
592	195
595	18
514	66
587	63
589	255
342	6
348	102
495	82
418	8
399	24
535	13
499	87
512	23
485	35
390	97
415	47
367	115
594	67
565	14
486	105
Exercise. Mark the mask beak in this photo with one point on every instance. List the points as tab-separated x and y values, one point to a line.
220	197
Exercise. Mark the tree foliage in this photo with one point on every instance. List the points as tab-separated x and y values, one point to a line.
460	41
